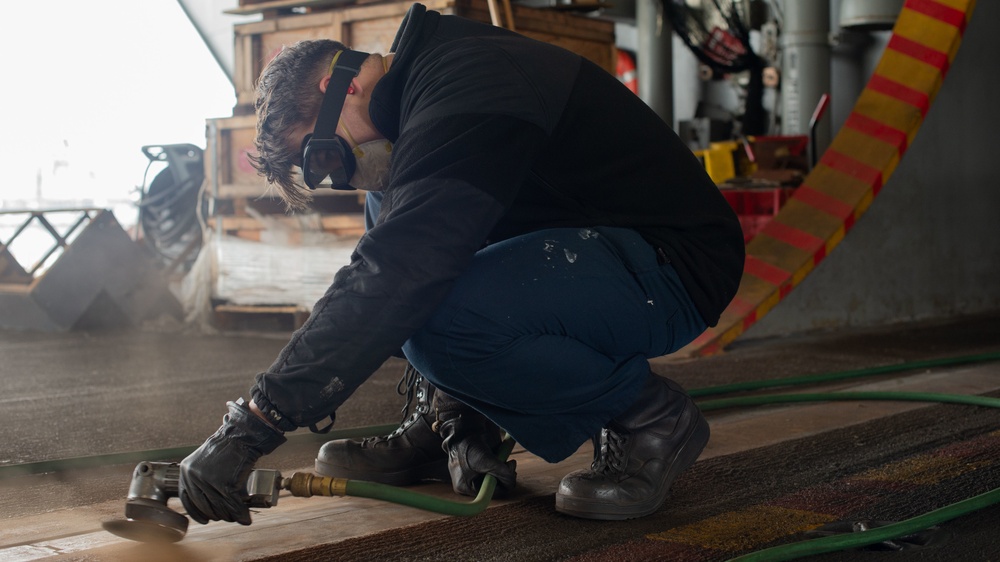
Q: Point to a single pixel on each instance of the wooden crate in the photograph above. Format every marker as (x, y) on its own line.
(227, 165)
(264, 318)
(364, 25)
(372, 27)
(348, 225)
(233, 181)
(589, 37)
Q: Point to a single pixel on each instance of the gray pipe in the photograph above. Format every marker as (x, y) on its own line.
(805, 67)
(654, 59)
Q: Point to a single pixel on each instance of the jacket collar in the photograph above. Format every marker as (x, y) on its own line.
(416, 29)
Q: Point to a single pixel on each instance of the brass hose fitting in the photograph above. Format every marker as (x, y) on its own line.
(306, 485)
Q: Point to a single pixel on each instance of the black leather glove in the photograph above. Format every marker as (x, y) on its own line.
(470, 458)
(213, 479)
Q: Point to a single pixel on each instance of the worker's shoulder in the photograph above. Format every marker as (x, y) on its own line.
(513, 47)
(503, 63)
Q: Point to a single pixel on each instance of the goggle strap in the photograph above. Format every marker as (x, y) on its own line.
(355, 148)
(346, 65)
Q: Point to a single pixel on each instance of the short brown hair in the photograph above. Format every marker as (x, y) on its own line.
(288, 97)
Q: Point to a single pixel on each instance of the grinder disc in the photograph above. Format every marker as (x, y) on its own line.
(143, 531)
(149, 521)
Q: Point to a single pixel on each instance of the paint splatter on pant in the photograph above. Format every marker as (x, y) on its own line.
(549, 334)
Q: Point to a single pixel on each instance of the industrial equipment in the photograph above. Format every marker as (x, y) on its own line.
(168, 206)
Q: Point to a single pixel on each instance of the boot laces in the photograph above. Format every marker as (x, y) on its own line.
(408, 387)
(610, 456)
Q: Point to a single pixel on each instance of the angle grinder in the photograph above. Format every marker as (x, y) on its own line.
(148, 519)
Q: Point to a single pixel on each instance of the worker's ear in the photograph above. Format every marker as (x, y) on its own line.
(324, 83)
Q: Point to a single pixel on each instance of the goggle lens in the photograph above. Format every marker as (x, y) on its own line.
(327, 158)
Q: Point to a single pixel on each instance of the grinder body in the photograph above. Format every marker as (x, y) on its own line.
(147, 517)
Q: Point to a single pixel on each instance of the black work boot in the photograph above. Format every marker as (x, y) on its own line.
(411, 453)
(637, 456)
(471, 443)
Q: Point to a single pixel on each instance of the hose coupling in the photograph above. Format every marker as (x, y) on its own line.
(306, 485)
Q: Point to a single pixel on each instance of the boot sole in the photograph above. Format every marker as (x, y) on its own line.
(686, 456)
(437, 470)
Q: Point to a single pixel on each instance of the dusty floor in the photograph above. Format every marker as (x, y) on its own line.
(67, 396)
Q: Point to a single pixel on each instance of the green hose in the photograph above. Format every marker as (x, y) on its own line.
(359, 488)
(431, 503)
(836, 543)
(173, 453)
(843, 375)
(833, 396)
(363, 489)
(879, 534)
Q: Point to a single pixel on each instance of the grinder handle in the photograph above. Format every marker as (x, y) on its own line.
(159, 481)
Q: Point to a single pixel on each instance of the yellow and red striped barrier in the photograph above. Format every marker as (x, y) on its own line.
(852, 171)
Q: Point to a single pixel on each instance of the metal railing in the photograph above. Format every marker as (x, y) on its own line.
(60, 240)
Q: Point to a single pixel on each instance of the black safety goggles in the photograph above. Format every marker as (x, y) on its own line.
(324, 154)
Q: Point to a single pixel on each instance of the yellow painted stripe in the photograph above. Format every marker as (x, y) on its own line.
(783, 255)
(866, 149)
(890, 111)
(907, 70)
(839, 185)
(928, 31)
(861, 165)
(803, 272)
(737, 531)
(836, 238)
(806, 218)
(922, 470)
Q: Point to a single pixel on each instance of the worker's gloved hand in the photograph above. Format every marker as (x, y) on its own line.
(470, 458)
(213, 479)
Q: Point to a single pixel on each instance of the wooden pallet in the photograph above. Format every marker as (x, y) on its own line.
(265, 318)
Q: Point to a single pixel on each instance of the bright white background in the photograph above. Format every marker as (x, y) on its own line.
(85, 85)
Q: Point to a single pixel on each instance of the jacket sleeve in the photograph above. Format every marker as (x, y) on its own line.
(452, 180)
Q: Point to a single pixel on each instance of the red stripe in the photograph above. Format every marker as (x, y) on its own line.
(854, 168)
(741, 306)
(792, 236)
(763, 270)
(820, 254)
(940, 12)
(875, 129)
(921, 52)
(784, 290)
(823, 202)
(707, 349)
(902, 92)
(702, 340)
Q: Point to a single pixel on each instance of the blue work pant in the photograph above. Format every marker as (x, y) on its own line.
(548, 334)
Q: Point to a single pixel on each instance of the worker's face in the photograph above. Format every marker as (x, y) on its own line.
(355, 120)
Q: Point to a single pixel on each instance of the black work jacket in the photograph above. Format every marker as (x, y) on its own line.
(496, 135)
